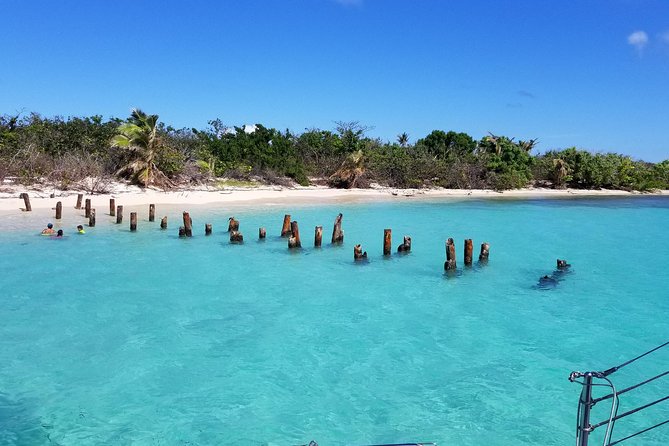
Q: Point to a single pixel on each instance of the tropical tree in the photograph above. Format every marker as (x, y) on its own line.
(403, 139)
(139, 137)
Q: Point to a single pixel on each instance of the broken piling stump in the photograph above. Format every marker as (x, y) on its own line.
(469, 251)
(26, 202)
(59, 210)
(207, 229)
(485, 252)
(188, 224)
(262, 233)
(294, 240)
(562, 264)
(133, 221)
(233, 225)
(182, 232)
(450, 264)
(236, 237)
(337, 232)
(87, 208)
(387, 241)
(163, 222)
(358, 254)
(119, 214)
(152, 212)
(91, 218)
(318, 236)
(405, 247)
(285, 229)
(80, 197)
(112, 207)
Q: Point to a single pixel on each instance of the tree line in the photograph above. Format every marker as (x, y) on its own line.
(65, 152)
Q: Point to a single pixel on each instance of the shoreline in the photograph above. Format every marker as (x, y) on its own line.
(135, 196)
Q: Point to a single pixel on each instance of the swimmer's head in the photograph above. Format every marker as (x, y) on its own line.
(50, 225)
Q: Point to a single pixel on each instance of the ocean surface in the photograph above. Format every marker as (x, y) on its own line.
(119, 338)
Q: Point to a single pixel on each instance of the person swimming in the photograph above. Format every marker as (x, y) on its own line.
(80, 229)
(48, 230)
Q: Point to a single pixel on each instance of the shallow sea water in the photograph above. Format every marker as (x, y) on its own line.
(146, 339)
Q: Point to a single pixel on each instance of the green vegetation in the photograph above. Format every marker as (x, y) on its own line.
(90, 152)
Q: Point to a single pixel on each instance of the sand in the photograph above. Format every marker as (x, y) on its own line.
(134, 196)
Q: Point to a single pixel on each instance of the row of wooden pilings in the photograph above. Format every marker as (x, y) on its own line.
(290, 229)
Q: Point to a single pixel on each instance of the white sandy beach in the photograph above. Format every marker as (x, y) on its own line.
(134, 196)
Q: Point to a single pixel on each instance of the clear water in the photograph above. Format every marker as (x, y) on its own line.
(146, 339)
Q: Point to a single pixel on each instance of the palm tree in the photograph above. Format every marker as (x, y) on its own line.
(139, 136)
(403, 139)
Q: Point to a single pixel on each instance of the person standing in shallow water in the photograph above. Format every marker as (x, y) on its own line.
(48, 230)
(80, 229)
(59, 234)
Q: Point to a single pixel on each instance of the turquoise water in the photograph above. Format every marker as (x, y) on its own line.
(146, 339)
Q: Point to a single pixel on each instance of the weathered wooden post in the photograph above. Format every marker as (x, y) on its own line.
(59, 210)
(152, 212)
(233, 225)
(26, 202)
(262, 233)
(133, 221)
(87, 208)
(562, 264)
(485, 252)
(358, 254)
(294, 240)
(91, 218)
(80, 197)
(337, 232)
(387, 241)
(236, 237)
(188, 224)
(406, 245)
(285, 229)
(119, 214)
(318, 236)
(450, 264)
(182, 232)
(163, 222)
(207, 229)
(112, 207)
(469, 251)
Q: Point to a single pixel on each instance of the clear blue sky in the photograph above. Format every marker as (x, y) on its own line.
(594, 74)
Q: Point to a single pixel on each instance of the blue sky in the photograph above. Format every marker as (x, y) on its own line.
(591, 74)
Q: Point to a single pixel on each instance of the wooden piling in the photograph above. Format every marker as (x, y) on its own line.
(80, 197)
(236, 237)
(294, 240)
(152, 212)
(337, 232)
(26, 201)
(387, 241)
(112, 207)
(469, 251)
(285, 229)
(262, 233)
(450, 264)
(207, 229)
(87, 208)
(182, 232)
(133, 221)
(405, 247)
(91, 218)
(59, 210)
(318, 236)
(188, 224)
(233, 225)
(163, 222)
(562, 264)
(119, 214)
(358, 254)
(485, 252)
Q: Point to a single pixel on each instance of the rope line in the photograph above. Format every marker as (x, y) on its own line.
(618, 367)
(638, 433)
(620, 392)
(629, 412)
